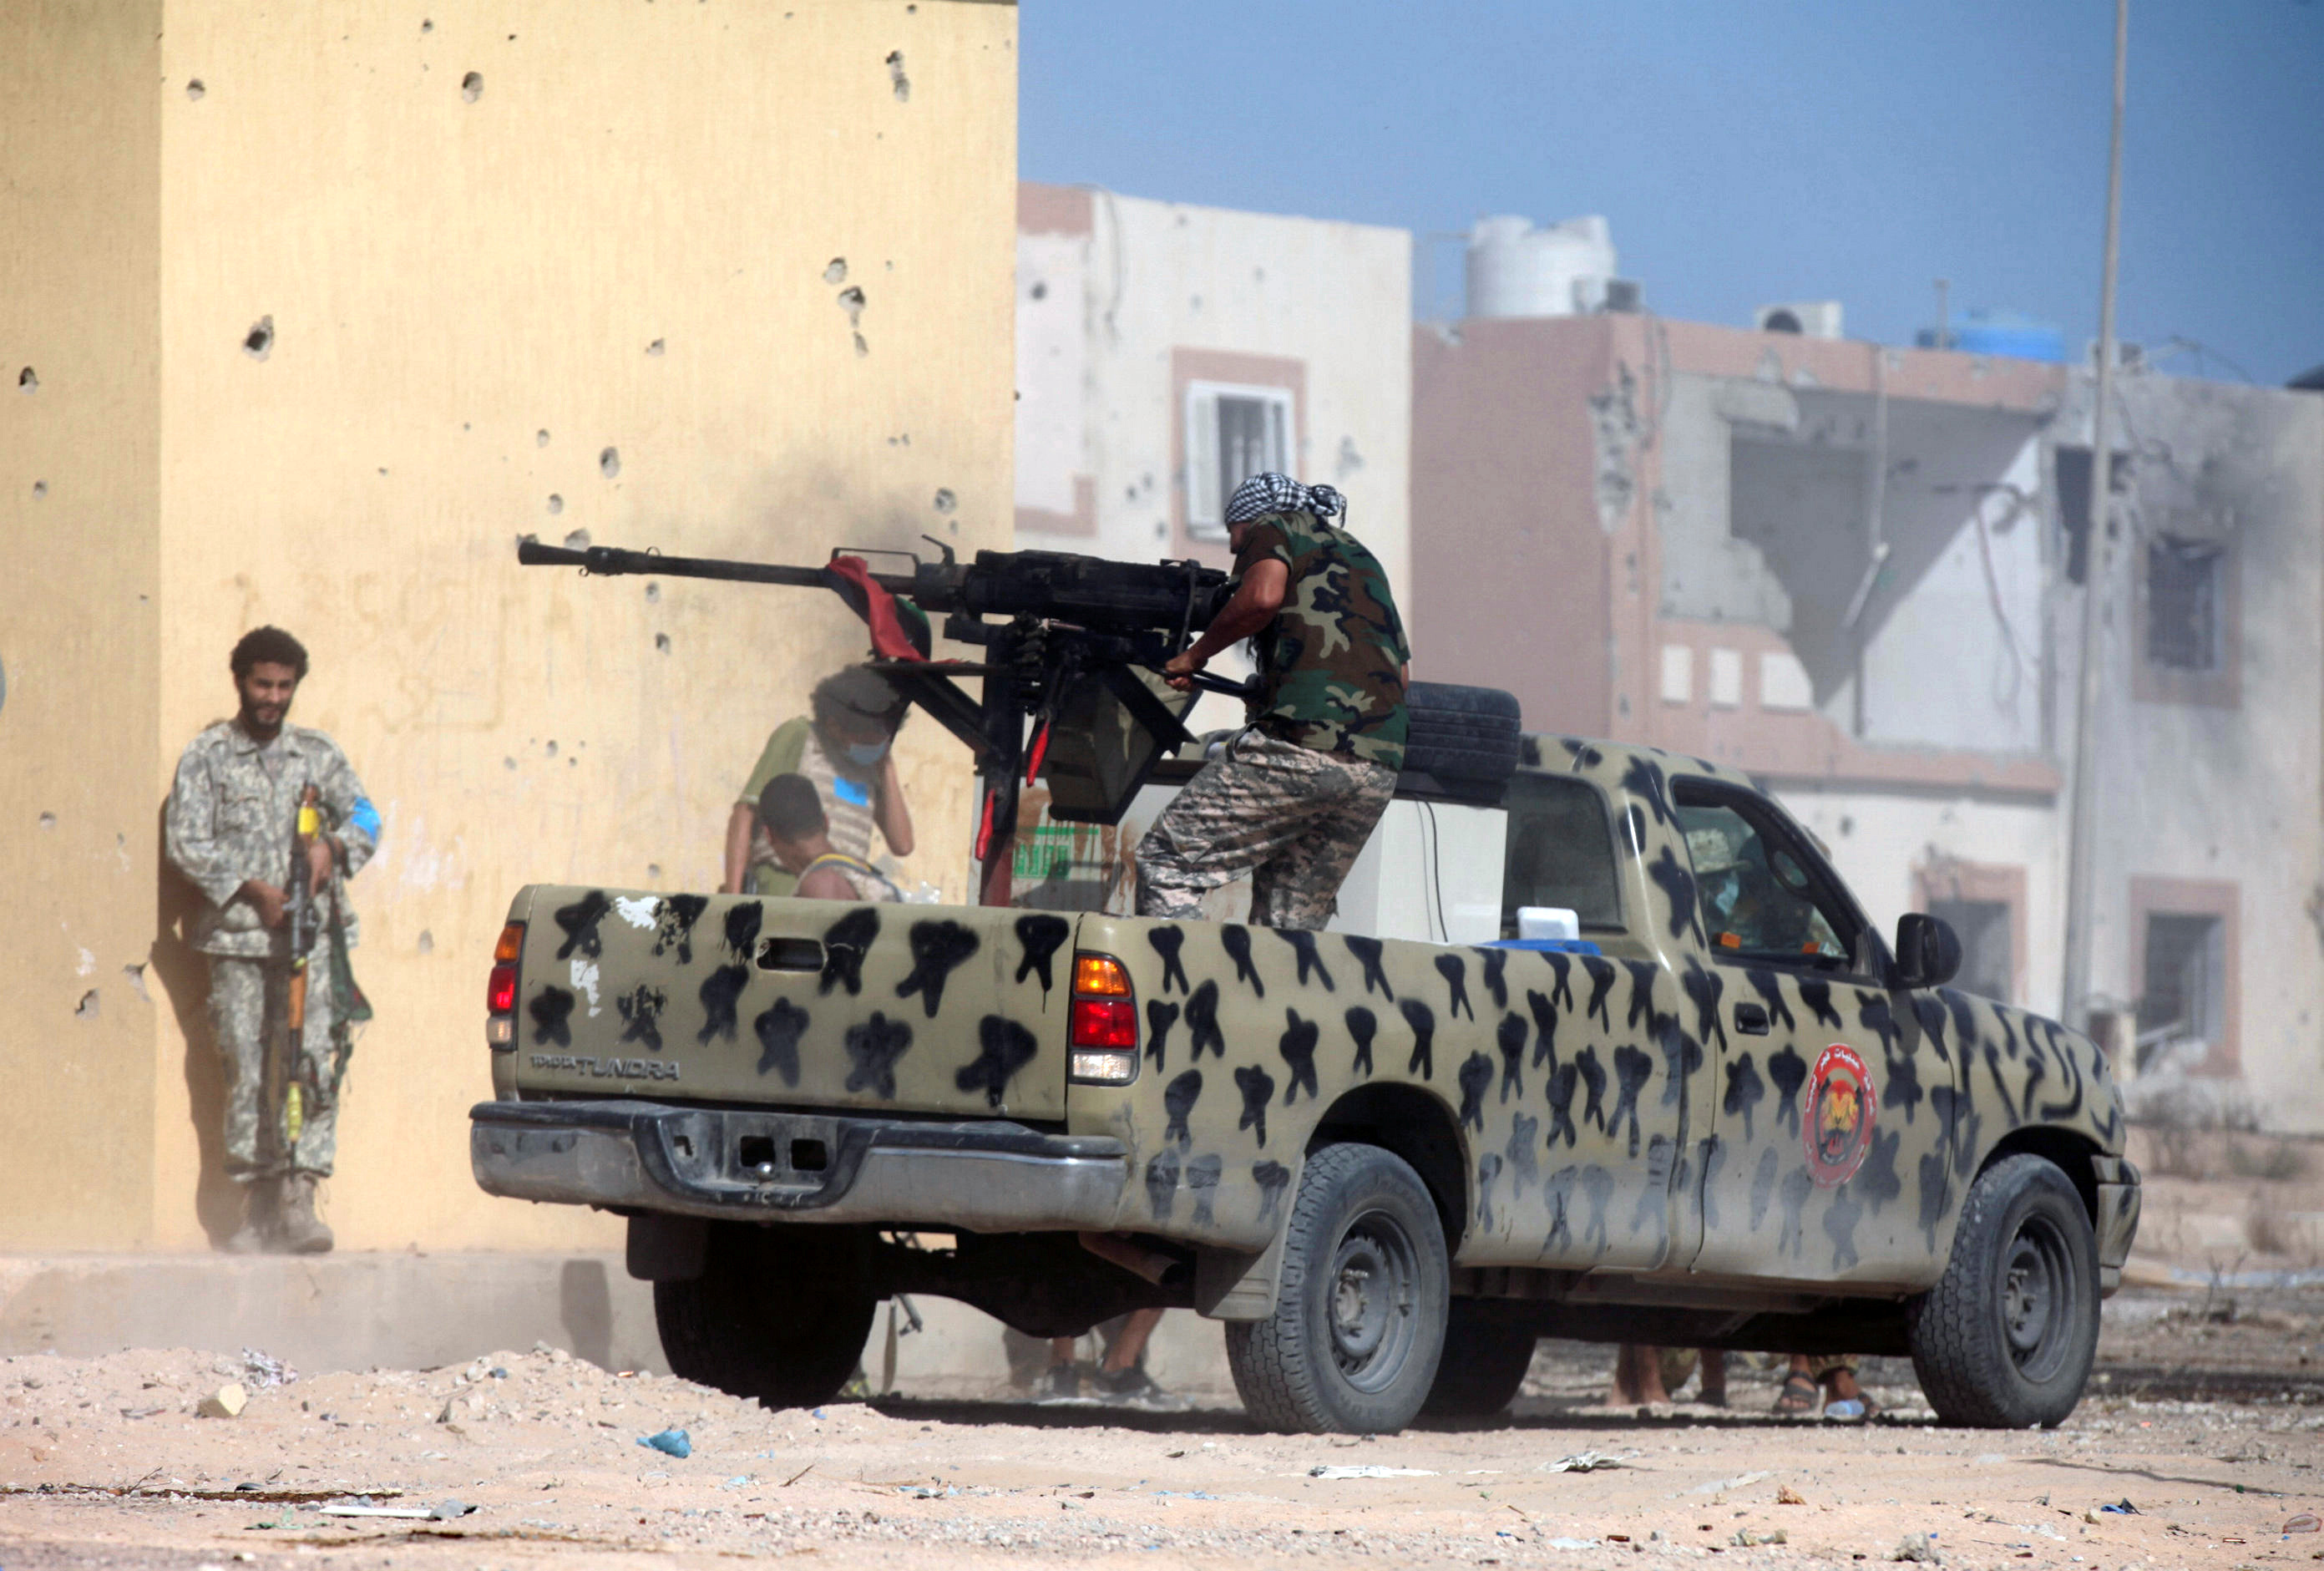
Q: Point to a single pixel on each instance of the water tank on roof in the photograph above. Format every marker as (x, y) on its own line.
(2001, 333)
(1516, 270)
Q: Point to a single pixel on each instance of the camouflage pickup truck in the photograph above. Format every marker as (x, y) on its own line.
(1728, 1115)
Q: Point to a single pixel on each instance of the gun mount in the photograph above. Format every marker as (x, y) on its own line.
(1075, 643)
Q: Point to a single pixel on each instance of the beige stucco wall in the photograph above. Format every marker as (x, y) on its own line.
(78, 237)
(620, 241)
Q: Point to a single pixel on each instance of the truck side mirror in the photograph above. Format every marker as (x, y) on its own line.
(1928, 950)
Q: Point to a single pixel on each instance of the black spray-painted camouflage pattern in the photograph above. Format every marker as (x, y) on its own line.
(1608, 1114)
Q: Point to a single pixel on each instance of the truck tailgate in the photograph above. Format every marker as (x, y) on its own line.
(946, 1009)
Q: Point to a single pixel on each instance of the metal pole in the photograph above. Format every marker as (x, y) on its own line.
(2081, 865)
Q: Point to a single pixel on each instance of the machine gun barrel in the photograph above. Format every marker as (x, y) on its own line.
(610, 561)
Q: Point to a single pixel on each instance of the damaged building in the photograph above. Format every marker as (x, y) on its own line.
(1858, 573)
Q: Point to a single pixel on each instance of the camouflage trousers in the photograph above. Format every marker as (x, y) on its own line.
(248, 999)
(1293, 818)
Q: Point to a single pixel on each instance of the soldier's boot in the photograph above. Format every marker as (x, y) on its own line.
(260, 1213)
(301, 1231)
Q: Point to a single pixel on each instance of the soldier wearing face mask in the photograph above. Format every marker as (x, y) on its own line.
(845, 747)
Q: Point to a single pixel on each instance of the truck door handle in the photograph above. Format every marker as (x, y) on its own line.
(790, 955)
(1751, 1019)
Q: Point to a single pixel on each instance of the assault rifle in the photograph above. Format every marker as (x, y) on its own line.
(1074, 642)
(285, 1099)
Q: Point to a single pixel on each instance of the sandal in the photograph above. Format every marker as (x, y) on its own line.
(1800, 1396)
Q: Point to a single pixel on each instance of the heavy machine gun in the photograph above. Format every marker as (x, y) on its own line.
(1074, 643)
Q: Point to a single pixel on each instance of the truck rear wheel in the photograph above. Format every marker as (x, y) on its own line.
(2005, 1338)
(1359, 1324)
(779, 1313)
(1483, 1366)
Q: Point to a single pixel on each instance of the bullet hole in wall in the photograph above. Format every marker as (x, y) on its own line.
(653, 870)
(540, 439)
(471, 85)
(556, 505)
(87, 1008)
(896, 76)
(427, 26)
(136, 975)
(1040, 291)
(851, 300)
(40, 489)
(861, 348)
(194, 90)
(945, 499)
(653, 593)
(508, 764)
(259, 342)
(836, 273)
(551, 748)
(654, 348)
(26, 382)
(1847, 826)
(577, 540)
(661, 642)
(48, 820)
(609, 462)
(427, 942)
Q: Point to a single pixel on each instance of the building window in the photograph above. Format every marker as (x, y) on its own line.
(1988, 966)
(2183, 1003)
(2183, 609)
(2074, 504)
(1233, 433)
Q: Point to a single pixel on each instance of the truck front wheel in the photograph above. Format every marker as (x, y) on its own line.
(779, 1313)
(1359, 1323)
(2005, 1338)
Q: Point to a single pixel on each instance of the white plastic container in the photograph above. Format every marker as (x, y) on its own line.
(1549, 921)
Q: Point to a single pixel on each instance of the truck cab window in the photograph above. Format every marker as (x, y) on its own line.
(1761, 898)
(1561, 852)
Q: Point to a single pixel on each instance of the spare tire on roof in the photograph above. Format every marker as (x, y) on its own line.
(1467, 735)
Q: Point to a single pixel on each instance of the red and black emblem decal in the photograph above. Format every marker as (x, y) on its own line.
(1842, 1104)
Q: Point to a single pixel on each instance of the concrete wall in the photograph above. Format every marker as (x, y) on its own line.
(529, 269)
(80, 449)
(1120, 299)
(2225, 789)
(1507, 417)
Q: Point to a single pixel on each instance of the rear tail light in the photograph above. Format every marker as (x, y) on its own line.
(1102, 1023)
(501, 989)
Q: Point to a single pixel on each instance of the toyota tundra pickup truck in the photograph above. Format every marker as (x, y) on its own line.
(1730, 1114)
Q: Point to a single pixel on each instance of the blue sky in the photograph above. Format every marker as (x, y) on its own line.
(1745, 154)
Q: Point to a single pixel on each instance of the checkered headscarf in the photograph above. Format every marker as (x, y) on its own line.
(1272, 493)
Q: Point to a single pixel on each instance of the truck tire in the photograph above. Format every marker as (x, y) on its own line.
(1461, 733)
(1483, 1364)
(1359, 1324)
(2005, 1338)
(778, 1313)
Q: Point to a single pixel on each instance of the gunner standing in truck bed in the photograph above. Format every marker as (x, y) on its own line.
(1293, 798)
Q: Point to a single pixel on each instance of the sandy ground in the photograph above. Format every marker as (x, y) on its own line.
(2211, 1427)
(2206, 1415)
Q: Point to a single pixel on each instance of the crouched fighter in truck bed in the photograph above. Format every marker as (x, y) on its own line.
(1293, 798)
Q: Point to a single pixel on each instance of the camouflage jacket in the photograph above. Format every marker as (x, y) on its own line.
(230, 818)
(1331, 665)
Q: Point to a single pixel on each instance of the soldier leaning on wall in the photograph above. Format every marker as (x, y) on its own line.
(230, 821)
